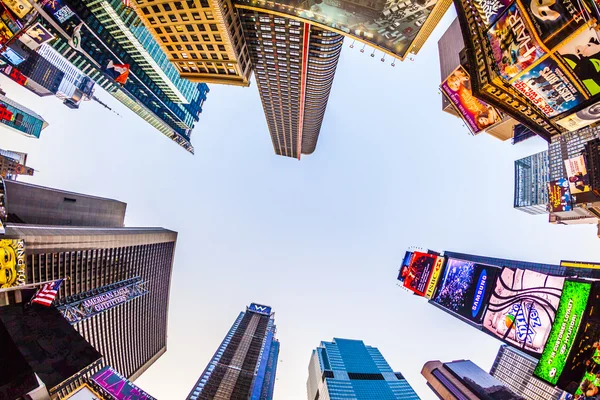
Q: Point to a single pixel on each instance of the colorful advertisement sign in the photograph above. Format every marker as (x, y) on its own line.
(83, 392)
(571, 309)
(419, 272)
(559, 196)
(579, 180)
(466, 288)
(35, 36)
(390, 26)
(549, 88)
(477, 114)
(490, 10)
(403, 273)
(19, 7)
(581, 118)
(579, 264)
(12, 263)
(435, 275)
(514, 47)
(58, 10)
(522, 307)
(582, 55)
(260, 309)
(118, 386)
(555, 20)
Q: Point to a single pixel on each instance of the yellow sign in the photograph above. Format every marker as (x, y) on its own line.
(12, 263)
(576, 264)
(20, 7)
(437, 268)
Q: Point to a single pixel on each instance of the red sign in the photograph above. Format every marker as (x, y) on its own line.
(419, 272)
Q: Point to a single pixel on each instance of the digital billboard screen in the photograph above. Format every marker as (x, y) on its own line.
(435, 275)
(404, 268)
(477, 114)
(581, 54)
(12, 263)
(571, 309)
(118, 386)
(389, 26)
(490, 10)
(522, 308)
(466, 287)
(579, 181)
(419, 272)
(559, 197)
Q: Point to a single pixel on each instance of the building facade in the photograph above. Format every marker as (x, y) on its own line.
(531, 177)
(348, 369)
(13, 164)
(245, 364)
(18, 118)
(294, 65)
(515, 369)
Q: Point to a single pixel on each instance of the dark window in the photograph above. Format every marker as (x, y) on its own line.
(365, 377)
(70, 200)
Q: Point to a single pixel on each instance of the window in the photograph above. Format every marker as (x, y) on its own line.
(206, 38)
(213, 27)
(208, 15)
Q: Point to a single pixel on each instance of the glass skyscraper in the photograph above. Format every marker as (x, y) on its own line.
(531, 177)
(348, 369)
(245, 364)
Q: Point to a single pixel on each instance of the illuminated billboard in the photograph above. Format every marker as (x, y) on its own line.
(435, 275)
(466, 288)
(260, 309)
(570, 312)
(579, 180)
(403, 273)
(513, 46)
(477, 114)
(490, 10)
(581, 118)
(12, 263)
(559, 196)
(582, 55)
(522, 307)
(419, 272)
(118, 386)
(390, 26)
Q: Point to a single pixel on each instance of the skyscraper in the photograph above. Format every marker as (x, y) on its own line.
(345, 368)
(13, 164)
(531, 178)
(245, 364)
(20, 119)
(515, 369)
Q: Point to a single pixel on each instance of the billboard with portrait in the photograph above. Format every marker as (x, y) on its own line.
(559, 197)
(522, 308)
(117, 386)
(581, 54)
(514, 47)
(579, 181)
(547, 86)
(466, 287)
(571, 309)
(390, 26)
(12, 263)
(555, 20)
(419, 272)
(404, 268)
(477, 114)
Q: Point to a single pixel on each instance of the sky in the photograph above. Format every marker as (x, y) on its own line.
(321, 239)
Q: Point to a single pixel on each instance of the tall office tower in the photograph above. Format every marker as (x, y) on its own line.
(294, 65)
(464, 380)
(531, 178)
(43, 78)
(39, 205)
(345, 368)
(245, 364)
(20, 119)
(108, 32)
(203, 39)
(13, 164)
(515, 369)
(568, 145)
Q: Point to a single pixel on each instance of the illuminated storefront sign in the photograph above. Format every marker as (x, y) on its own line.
(118, 387)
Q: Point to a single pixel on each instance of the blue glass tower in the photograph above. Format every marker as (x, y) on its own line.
(348, 369)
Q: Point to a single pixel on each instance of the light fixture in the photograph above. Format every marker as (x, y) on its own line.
(363, 49)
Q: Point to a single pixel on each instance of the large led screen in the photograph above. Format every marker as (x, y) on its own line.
(466, 287)
(570, 312)
(582, 55)
(522, 308)
(419, 273)
(579, 180)
(403, 273)
(389, 25)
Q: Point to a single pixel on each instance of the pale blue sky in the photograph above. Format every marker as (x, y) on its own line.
(319, 240)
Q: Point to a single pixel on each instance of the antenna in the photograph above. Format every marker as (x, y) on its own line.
(105, 106)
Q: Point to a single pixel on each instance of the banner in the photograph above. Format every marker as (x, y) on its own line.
(466, 288)
(12, 263)
(559, 196)
(582, 55)
(19, 7)
(117, 386)
(477, 114)
(419, 272)
(404, 269)
(514, 47)
(548, 88)
(579, 180)
(570, 311)
(490, 10)
(522, 307)
(555, 20)
(433, 282)
(35, 36)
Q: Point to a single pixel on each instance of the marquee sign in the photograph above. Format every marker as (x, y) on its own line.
(97, 301)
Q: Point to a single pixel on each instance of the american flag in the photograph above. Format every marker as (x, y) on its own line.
(47, 293)
(126, 3)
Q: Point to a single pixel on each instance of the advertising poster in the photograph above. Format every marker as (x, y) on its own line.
(435, 276)
(522, 307)
(515, 48)
(12, 263)
(19, 7)
(555, 20)
(58, 10)
(118, 386)
(35, 36)
(404, 268)
(581, 118)
(466, 287)
(419, 272)
(549, 88)
(582, 55)
(579, 180)
(388, 25)
(5, 33)
(477, 114)
(490, 10)
(571, 309)
(559, 196)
